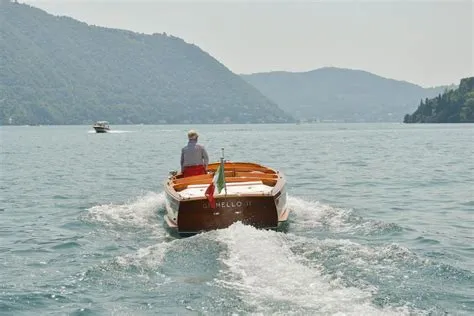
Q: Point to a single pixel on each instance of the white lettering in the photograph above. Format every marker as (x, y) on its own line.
(229, 204)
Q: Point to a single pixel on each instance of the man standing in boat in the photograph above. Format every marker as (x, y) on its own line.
(194, 158)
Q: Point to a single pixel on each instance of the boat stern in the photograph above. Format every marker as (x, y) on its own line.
(197, 215)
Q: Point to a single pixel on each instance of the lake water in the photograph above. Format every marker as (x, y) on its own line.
(382, 223)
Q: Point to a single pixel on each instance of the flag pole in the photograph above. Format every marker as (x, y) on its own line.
(223, 170)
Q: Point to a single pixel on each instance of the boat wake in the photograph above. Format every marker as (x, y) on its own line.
(266, 272)
(317, 267)
(145, 211)
(119, 132)
(271, 273)
(110, 132)
(308, 215)
(138, 213)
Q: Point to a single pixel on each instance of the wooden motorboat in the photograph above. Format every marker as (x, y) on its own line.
(101, 126)
(254, 195)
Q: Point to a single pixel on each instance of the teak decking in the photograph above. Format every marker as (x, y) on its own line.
(234, 172)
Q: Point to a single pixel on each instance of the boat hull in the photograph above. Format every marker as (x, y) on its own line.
(255, 195)
(101, 130)
(194, 216)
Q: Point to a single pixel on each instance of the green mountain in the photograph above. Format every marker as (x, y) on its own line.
(340, 94)
(454, 106)
(56, 70)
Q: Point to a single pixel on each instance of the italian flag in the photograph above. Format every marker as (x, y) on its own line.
(217, 184)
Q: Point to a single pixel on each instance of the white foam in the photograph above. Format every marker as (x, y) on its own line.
(140, 212)
(264, 270)
(147, 258)
(313, 214)
(110, 132)
(365, 257)
(119, 132)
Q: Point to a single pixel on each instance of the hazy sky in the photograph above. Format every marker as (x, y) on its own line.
(424, 42)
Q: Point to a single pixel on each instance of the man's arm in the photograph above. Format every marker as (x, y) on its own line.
(182, 160)
(205, 157)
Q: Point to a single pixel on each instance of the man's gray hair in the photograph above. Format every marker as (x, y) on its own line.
(192, 134)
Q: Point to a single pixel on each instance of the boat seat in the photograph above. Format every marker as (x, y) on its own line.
(206, 177)
(198, 186)
(236, 168)
(260, 175)
(250, 187)
(270, 182)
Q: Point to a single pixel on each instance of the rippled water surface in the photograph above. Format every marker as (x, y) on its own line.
(382, 223)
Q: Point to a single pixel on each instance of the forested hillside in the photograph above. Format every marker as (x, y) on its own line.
(454, 106)
(56, 70)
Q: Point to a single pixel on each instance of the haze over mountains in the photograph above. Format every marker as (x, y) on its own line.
(336, 94)
(56, 70)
